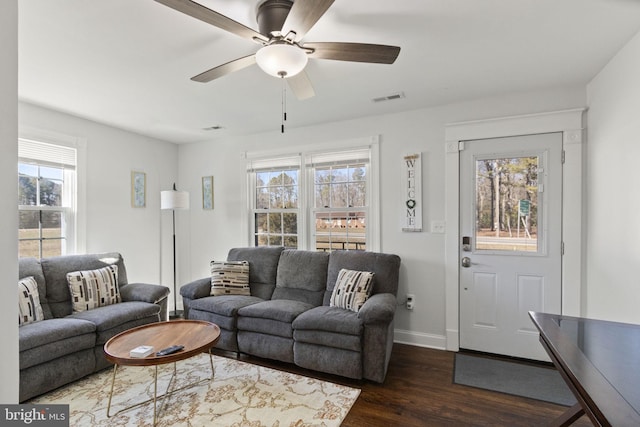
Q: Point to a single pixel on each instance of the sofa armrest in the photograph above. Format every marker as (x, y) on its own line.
(197, 289)
(379, 308)
(143, 292)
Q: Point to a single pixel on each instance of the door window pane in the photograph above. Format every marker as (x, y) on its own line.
(507, 204)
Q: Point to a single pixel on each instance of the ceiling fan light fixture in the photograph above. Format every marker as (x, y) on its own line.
(281, 59)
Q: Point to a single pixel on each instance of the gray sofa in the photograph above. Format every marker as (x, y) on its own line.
(288, 317)
(67, 346)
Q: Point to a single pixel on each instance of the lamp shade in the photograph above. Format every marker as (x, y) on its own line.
(172, 199)
(281, 59)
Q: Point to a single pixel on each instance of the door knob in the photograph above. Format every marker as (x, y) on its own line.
(466, 262)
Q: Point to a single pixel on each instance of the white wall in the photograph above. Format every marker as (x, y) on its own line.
(9, 192)
(212, 233)
(613, 198)
(139, 234)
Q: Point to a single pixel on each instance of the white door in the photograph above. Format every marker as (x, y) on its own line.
(511, 237)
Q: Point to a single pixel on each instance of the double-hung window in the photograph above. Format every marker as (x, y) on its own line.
(46, 198)
(340, 207)
(276, 204)
(315, 200)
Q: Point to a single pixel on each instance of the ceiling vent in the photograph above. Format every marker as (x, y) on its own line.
(398, 95)
(214, 127)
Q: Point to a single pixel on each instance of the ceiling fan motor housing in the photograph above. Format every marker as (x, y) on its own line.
(272, 15)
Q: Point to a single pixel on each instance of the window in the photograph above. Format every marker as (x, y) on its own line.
(316, 200)
(46, 199)
(340, 207)
(507, 204)
(276, 184)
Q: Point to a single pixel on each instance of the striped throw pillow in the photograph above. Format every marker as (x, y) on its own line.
(29, 307)
(94, 288)
(230, 278)
(352, 289)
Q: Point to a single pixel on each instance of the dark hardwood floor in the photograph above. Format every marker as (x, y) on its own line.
(419, 391)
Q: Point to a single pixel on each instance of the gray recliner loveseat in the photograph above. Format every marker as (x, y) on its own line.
(288, 316)
(67, 345)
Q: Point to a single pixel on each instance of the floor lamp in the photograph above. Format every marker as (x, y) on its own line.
(172, 200)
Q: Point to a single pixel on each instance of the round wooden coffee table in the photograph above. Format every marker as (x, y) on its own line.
(196, 336)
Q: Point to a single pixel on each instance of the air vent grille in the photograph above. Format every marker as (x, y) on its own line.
(398, 95)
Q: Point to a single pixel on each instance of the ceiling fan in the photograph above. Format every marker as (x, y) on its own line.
(282, 26)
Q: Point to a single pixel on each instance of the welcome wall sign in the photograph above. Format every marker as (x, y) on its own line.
(412, 192)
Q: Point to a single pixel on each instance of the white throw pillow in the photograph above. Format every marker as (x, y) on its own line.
(94, 288)
(352, 289)
(230, 278)
(29, 307)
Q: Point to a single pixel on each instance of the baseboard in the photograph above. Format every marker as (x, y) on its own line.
(419, 339)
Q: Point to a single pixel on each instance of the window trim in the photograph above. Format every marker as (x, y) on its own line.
(305, 239)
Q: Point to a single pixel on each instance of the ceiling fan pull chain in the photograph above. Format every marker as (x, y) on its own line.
(284, 103)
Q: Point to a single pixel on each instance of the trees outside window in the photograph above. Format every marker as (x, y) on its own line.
(507, 203)
(321, 203)
(276, 211)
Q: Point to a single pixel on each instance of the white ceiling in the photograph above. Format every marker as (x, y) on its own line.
(128, 63)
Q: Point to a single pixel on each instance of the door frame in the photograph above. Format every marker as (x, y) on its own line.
(571, 124)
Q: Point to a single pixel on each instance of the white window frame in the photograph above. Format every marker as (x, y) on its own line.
(74, 193)
(305, 154)
(339, 158)
(274, 164)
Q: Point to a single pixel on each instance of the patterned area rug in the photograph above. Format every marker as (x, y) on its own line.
(240, 395)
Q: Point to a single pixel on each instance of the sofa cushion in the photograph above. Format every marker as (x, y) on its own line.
(54, 338)
(271, 317)
(280, 310)
(55, 271)
(230, 278)
(302, 276)
(29, 308)
(222, 308)
(93, 288)
(225, 305)
(113, 319)
(330, 319)
(52, 330)
(263, 266)
(386, 268)
(352, 289)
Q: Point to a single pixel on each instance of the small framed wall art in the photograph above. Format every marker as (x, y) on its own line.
(138, 189)
(207, 192)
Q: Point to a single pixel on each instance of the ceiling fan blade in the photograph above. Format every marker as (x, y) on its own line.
(214, 18)
(303, 15)
(224, 69)
(357, 52)
(301, 86)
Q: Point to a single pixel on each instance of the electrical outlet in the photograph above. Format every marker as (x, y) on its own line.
(410, 301)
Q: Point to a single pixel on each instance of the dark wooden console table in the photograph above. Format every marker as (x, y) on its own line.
(600, 362)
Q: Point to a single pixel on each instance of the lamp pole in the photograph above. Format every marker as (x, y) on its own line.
(175, 314)
(174, 199)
